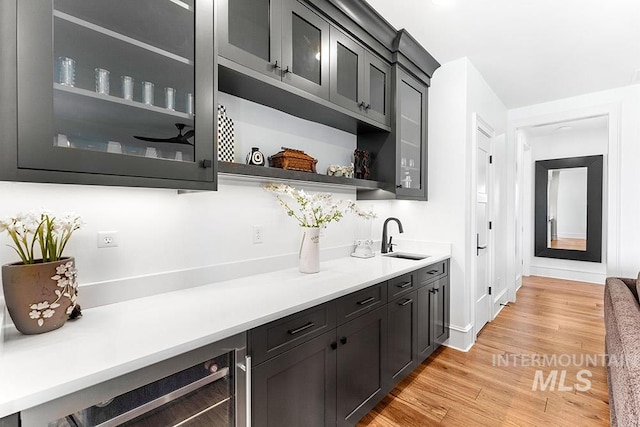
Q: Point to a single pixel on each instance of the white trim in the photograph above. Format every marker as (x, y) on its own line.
(460, 338)
(568, 274)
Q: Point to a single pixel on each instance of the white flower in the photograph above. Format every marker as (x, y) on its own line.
(42, 305)
(48, 313)
(34, 314)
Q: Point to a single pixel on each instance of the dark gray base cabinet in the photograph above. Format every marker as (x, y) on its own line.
(10, 421)
(361, 359)
(331, 364)
(402, 337)
(298, 387)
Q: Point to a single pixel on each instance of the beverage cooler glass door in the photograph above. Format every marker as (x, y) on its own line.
(204, 387)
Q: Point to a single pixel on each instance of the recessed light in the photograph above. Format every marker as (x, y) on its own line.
(564, 128)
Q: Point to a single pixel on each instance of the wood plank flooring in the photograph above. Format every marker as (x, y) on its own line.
(550, 317)
(569, 243)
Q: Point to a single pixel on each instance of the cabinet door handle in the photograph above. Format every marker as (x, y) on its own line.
(399, 186)
(432, 271)
(334, 345)
(343, 340)
(276, 65)
(404, 285)
(361, 104)
(301, 328)
(433, 291)
(286, 70)
(402, 304)
(366, 301)
(206, 163)
(366, 107)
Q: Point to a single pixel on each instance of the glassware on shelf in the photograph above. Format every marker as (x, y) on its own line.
(411, 163)
(170, 98)
(114, 147)
(147, 93)
(188, 107)
(178, 156)
(102, 81)
(127, 87)
(406, 182)
(151, 152)
(66, 71)
(61, 141)
(403, 161)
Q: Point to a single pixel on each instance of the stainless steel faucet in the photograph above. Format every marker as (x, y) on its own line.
(387, 246)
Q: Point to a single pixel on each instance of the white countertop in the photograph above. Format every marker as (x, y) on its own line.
(116, 339)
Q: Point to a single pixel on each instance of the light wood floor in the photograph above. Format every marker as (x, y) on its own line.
(454, 388)
(568, 243)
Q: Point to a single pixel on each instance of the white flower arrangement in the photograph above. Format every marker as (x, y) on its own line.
(315, 210)
(51, 234)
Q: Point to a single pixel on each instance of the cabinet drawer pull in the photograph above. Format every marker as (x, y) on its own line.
(409, 301)
(404, 285)
(301, 328)
(334, 345)
(432, 271)
(366, 301)
(433, 291)
(276, 65)
(343, 340)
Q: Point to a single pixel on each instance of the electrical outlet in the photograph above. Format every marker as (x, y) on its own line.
(107, 239)
(258, 234)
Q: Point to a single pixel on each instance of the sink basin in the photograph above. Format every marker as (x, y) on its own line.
(405, 255)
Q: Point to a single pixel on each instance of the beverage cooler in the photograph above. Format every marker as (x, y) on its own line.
(205, 387)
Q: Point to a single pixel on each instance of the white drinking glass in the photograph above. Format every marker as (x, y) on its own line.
(170, 98)
(66, 71)
(147, 93)
(188, 103)
(127, 87)
(114, 147)
(102, 81)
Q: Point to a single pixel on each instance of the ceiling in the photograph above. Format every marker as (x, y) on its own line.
(530, 51)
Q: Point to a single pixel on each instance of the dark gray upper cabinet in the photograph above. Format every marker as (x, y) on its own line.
(74, 127)
(305, 49)
(360, 81)
(282, 39)
(411, 137)
(249, 33)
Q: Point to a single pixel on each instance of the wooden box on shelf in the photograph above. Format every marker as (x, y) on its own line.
(292, 159)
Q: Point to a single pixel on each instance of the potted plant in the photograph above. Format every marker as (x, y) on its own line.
(40, 293)
(312, 212)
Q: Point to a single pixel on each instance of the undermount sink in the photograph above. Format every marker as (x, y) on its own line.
(405, 255)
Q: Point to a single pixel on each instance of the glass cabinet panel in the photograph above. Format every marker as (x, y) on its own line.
(377, 89)
(249, 26)
(124, 77)
(411, 122)
(306, 49)
(347, 73)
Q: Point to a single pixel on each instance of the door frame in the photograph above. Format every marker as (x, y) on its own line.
(478, 124)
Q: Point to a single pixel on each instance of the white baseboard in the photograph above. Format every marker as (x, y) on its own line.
(460, 338)
(567, 274)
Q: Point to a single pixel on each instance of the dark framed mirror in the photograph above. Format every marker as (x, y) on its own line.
(568, 208)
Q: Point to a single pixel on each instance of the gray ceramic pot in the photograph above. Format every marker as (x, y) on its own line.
(39, 296)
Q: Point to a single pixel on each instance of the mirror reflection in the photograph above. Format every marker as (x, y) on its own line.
(567, 208)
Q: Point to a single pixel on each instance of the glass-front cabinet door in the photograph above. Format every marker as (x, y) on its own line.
(347, 72)
(377, 85)
(249, 34)
(117, 89)
(411, 128)
(305, 49)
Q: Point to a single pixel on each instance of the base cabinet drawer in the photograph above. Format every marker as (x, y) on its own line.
(361, 302)
(433, 272)
(284, 334)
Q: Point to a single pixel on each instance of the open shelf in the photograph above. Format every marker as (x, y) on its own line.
(288, 175)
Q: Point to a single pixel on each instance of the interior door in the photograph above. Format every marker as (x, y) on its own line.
(483, 257)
